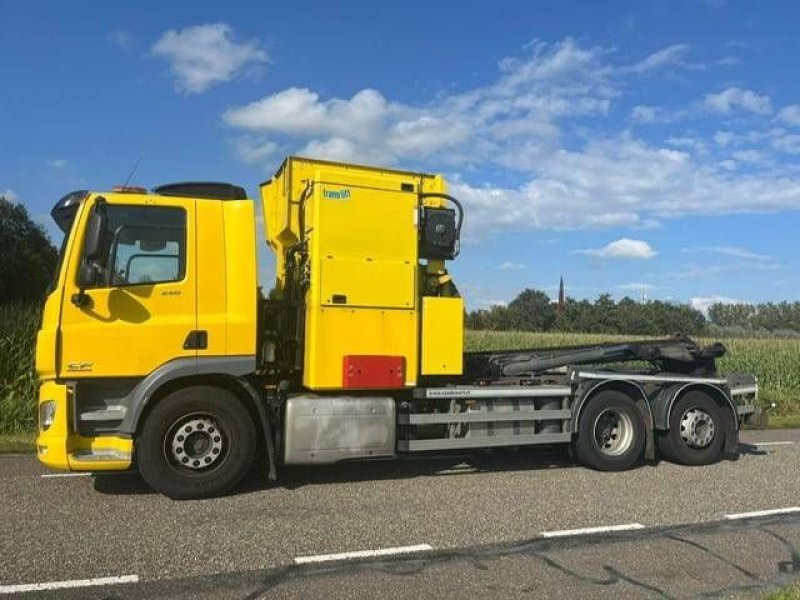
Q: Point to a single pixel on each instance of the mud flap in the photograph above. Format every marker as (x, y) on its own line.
(649, 430)
(266, 428)
(731, 444)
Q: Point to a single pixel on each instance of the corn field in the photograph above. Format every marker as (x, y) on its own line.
(18, 384)
(776, 362)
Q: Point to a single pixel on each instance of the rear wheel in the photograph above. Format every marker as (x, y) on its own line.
(695, 433)
(611, 433)
(198, 441)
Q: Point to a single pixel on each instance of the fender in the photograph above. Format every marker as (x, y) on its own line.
(665, 400)
(139, 396)
(588, 389)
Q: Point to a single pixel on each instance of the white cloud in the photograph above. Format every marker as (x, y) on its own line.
(622, 248)
(205, 55)
(790, 114)
(789, 143)
(695, 144)
(734, 98)
(704, 303)
(521, 107)
(57, 164)
(511, 266)
(750, 156)
(670, 56)
(9, 195)
(251, 151)
(529, 126)
(723, 138)
(732, 251)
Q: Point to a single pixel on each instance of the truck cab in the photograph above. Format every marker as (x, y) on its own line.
(130, 310)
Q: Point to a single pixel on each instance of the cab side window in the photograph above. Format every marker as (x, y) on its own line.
(144, 245)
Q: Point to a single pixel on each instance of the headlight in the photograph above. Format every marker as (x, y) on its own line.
(47, 414)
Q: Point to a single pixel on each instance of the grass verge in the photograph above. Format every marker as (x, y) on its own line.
(17, 443)
(784, 421)
(788, 593)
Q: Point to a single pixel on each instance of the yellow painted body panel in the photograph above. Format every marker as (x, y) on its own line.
(211, 293)
(60, 448)
(52, 446)
(100, 444)
(333, 332)
(283, 196)
(47, 339)
(226, 276)
(359, 227)
(442, 336)
(240, 277)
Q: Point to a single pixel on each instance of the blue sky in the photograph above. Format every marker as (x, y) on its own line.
(646, 147)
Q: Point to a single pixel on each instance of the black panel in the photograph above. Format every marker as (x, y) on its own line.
(438, 234)
(202, 189)
(196, 340)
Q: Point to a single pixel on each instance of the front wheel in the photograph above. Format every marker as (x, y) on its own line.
(695, 433)
(197, 442)
(611, 433)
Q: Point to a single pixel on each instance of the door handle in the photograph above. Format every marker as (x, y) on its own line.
(81, 299)
(196, 340)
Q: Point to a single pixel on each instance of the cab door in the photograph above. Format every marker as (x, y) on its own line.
(140, 309)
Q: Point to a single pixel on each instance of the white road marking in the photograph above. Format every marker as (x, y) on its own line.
(83, 474)
(301, 560)
(62, 585)
(772, 443)
(591, 530)
(764, 513)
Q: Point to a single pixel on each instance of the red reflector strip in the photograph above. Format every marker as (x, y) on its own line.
(373, 371)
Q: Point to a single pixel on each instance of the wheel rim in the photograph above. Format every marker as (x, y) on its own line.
(613, 432)
(195, 443)
(697, 428)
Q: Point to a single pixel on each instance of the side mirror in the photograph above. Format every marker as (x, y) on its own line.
(93, 248)
(87, 274)
(95, 228)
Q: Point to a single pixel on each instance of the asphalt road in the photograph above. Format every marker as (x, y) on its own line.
(474, 523)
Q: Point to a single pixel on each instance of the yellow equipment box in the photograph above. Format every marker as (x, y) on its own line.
(347, 245)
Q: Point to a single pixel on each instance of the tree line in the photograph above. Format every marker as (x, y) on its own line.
(532, 310)
(28, 257)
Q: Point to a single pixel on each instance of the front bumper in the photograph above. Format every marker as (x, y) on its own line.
(61, 447)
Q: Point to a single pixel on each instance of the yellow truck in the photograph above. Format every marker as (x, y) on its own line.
(159, 352)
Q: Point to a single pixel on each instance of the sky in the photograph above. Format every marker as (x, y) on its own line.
(646, 148)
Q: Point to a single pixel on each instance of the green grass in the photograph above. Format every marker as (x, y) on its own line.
(21, 442)
(788, 593)
(784, 421)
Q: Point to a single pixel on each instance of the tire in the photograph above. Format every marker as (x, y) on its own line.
(197, 442)
(696, 431)
(611, 433)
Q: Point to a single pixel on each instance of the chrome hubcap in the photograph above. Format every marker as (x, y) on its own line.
(613, 432)
(697, 428)
(196, 442)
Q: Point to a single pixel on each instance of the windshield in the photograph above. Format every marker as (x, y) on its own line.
(63, 214)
